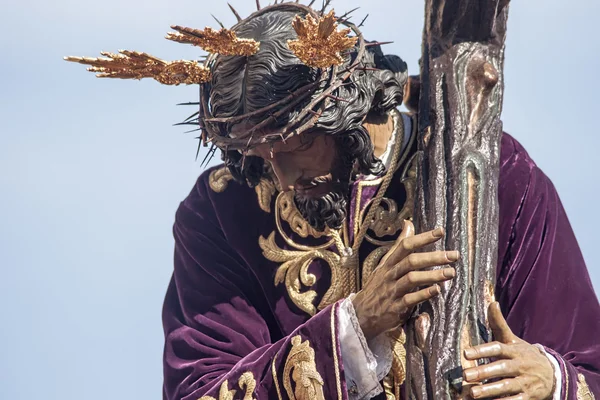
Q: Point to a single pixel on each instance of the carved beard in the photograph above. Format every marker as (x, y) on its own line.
(329, 210)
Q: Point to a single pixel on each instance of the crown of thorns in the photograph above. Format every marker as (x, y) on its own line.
(320, 44)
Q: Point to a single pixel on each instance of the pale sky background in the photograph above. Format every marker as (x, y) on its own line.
(93, 170)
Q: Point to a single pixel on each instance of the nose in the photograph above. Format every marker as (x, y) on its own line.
(286, 173)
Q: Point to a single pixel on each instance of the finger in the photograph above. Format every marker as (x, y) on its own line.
(408, 230)
(418, 261)
(499, 326)
(415, 279)
(489, 350)
(411, 300)
(497, 389)
(409, 242)
(497, 369)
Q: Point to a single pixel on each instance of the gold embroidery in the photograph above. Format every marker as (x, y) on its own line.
(388, 221)
(583, 390)
(265, 191)
(398, 372)
(294, 273)
(388, 387)
(372, 261)
(290, 214)
(302, 368)
(392, 383)
(219, 179)
(336, 364)
(246, 381)
(275, 379)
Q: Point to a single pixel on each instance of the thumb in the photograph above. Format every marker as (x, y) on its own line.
(500, 328)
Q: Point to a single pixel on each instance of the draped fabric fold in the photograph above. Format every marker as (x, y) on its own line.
(220, 341)
(543, 285)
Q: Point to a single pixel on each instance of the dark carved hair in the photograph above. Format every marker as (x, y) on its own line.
(245, 84)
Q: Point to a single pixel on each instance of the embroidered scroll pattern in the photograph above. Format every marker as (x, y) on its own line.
(388, 221)
(583, 390)
(219, 179)
(293, 271)
(246, 383)
(302, 368)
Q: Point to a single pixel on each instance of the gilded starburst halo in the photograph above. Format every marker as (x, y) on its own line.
(320, 43)
(223, 42)
(138, 65)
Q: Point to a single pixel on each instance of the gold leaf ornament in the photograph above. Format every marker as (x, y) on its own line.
(319, 43)
(583, 390)
(302, 368)
(137, 65)
(246, 383)
(224, 41)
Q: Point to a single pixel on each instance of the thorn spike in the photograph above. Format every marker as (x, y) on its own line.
(235, 13)
(219, 22)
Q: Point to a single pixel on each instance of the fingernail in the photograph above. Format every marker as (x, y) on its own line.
(475, 391)
(449, 273)
(470, 374)
(436, 289)
(438, 233)
(452, 255)
(470, 353)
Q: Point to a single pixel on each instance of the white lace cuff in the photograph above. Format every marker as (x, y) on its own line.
(365, 363)
(557, 372)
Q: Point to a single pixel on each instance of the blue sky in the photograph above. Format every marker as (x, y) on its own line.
(93, 170)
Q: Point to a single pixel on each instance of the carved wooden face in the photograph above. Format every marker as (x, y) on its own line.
(303, 163)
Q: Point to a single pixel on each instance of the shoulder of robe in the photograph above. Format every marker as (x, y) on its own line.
(214, 193)
(519, 174)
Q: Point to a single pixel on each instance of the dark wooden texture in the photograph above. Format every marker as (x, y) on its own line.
(460, 104)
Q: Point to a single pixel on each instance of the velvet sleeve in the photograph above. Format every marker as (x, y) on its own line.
(543, 285)
(221, 339)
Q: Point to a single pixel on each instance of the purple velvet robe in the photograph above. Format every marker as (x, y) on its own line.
(224, 317)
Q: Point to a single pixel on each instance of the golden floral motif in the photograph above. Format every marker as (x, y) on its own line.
(246, 383)
(319, 43)
(293, 272)
(224, 41)
(583, 390)
(302, 368)
(136, 65)
(265, 191)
